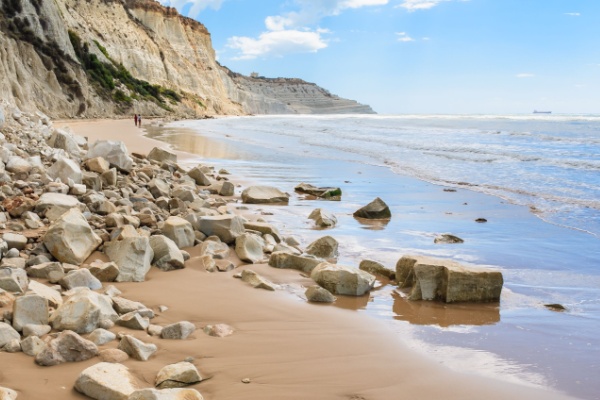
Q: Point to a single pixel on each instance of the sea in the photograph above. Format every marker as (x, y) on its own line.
(534, 178)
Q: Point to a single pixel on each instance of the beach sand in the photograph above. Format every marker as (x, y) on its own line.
(288, 348)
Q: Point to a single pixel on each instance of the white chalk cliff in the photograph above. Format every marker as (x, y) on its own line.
(162, 64)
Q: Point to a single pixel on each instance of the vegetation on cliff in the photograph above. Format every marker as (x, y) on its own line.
(109, 76)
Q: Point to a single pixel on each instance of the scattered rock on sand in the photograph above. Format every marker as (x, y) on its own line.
(107, 381)
(68, 346)
(555, 307)
(377, 209)
(132, 253)
(137, 349)
(101, 336)
(177, 375)
(179, 330)
(6, 393)
(249, 248)
(447, 280)
(112, 355)
(264, 195)
(257, 281)
(161, 155)
(167, 256)
(218, 330)
(166, 394)
(179, 231)
(31, 346)
(80, 278)
(339, 279)
(317, 294)
(13, 280)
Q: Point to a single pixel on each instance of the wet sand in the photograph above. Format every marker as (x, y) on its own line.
(285, 346)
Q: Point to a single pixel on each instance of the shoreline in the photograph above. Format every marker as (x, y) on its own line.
(135, 137)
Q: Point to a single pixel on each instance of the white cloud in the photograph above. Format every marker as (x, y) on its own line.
(412, 5)
(196, 5)
(525, 75)
(278, 43)
(403, 37)
(573, 14)
(295, 31)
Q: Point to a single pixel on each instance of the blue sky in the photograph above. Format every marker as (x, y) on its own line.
(418, 56)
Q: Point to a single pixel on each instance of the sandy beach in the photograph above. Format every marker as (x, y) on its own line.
(287, 347)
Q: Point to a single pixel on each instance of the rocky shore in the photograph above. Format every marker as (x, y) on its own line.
(116, 282)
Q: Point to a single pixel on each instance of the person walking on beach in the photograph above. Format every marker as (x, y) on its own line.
(135, 119)
(139, 120)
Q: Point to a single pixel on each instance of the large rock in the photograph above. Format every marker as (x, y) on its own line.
(377, 209)
(282, 259)
(264, 195)
(137, 349)
(226, 227)
(264, 228)
(52, 296)
(98, 165)
(13, 280)
(132, 253)
(101, 336)
(114, 152)
(107, 381)
(80, 278)
(32, 346)
(68, 346)
(64, 140)
(161, 155)
(7, 334)
(325, 248)
(166, 394)
(65, 169)
(178, 330)
(30, 309)
(447, 280)
(179, 231)
(104, 272)
(15, 240)
(70, 239)
(83, 311)
(133, 320)
(53, 205)
(167, 255)
(248, 248)
(177, 375)
(339, 279)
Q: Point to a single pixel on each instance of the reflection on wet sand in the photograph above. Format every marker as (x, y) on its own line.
(444, 315)
(190, 141)
(373, 224)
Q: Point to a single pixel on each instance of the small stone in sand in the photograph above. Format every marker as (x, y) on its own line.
(246, 380)
(481, 220)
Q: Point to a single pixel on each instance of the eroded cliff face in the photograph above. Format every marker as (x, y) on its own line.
(41, 69)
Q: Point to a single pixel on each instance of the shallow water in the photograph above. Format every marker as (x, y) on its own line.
(541, 262)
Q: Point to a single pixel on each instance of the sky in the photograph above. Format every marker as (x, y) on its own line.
(418, 56)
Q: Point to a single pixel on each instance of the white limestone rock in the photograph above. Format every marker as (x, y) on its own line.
(65, 169)
(7, 334)
(68, 346)
(339, 279)
(80, 278)
(132, 253)
(177, 375)
(13, 280)
(30, 309)
(325, 248)
(114, 152)
(179, 330)
(226, 227)
(137, 349)
(264, 195)
(166, 394)
(83, 311)
(167, 255)
(70, 239)
(179, 231)
(249, 248)
(107, 381)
